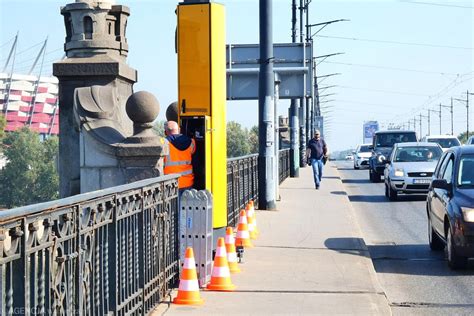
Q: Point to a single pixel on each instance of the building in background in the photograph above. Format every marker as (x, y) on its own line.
(27, 100)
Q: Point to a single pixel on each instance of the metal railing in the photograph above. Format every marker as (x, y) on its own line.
(242, 185)
(242, 182)
(113, 251)
(284, 165)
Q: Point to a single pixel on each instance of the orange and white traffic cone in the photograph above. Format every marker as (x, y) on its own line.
(251, 213)
(230, 249)
(251, 225)
(220, 278)
(188, 291)
(243, 236)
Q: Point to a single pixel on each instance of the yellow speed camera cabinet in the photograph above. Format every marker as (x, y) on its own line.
(202, 97)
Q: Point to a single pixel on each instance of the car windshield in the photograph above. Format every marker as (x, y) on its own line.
(445, 142)
(466, 171)
(364, 149)
(417, 154)
(390, 139)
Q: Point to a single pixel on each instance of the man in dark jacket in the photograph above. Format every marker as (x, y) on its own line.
(316, 151)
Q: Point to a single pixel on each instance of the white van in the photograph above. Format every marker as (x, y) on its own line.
(445, 141)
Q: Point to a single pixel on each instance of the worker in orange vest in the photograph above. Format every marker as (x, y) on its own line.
(181, 149)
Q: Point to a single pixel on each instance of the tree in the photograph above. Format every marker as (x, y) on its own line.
(3, 124)
(253, 139)
(30, 174)
(159, 128)
(463, 137)
(237, 140)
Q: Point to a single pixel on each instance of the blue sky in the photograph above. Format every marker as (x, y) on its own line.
(383, 77)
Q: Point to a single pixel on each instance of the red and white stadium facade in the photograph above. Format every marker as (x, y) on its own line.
(27, 101)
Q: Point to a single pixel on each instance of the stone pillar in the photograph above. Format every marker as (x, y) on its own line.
(94, 85)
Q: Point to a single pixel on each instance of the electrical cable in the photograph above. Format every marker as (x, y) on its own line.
(393, 42)
(391, 68)
(436, 4)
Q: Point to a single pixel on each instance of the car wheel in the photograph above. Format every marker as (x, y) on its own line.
(355, 167)
(392, 194)
(454, 261)
(435, 241)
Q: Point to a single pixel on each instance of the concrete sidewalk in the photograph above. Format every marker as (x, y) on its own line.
(310, 259)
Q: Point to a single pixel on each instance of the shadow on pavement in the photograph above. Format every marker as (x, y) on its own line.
(367, 181)
(339, 192)
(408, 259)
(383, 199)
(332, 177)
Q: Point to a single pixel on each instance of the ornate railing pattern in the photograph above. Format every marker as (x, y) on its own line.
(242, 185)
(284, 164)
(111, 251)
(242, 182)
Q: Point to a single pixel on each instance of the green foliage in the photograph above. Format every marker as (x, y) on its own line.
(3, 124)
(253, 139)
(463, 137)
(237, 140)
(159, 128)
(30, 175)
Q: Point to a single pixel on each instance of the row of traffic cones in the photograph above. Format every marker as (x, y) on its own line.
(225, 261)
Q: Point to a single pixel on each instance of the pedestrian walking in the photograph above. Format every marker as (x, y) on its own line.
(316, 153)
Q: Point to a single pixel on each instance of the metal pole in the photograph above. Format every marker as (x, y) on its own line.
(277, 137)
(294, 153)
(421, 131)
(467, 110)
(440, 109)
(452, 117)
(266, 125)
(302, 107)
(429, 122)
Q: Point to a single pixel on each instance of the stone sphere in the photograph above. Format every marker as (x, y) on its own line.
(142, 107)
(172, 112)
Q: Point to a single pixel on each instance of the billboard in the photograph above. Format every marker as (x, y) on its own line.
(369, 131)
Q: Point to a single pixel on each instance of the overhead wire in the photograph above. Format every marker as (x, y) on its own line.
(393, 42)
(437, 4)
(390, 68)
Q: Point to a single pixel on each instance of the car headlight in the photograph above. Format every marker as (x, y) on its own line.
(468, 214)
(381, 158)
(399, 173)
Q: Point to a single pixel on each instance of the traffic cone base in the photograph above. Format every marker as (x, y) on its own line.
(220, 278)
(231, 252)
(188, 291)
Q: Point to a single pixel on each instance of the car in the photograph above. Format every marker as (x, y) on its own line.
(445, 141)
(382, 148)
(410, 168)
(349, 157)
(470, 141)
(450, 206)
(361, 156)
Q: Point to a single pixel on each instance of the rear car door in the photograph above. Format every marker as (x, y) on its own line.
(440, 197)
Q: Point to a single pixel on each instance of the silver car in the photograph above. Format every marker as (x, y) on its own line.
(410, 168)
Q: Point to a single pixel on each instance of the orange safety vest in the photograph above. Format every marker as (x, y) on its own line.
(179, 161)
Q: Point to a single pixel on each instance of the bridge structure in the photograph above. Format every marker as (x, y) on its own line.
(110, 244)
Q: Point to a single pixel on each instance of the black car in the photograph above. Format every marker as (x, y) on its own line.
(450, 206)
(382, 148)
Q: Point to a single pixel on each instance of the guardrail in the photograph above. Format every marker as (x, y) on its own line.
(113, 251)
(242, 185)
(284, 164)
(242, 182)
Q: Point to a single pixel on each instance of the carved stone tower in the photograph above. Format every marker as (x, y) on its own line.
(96, 135)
